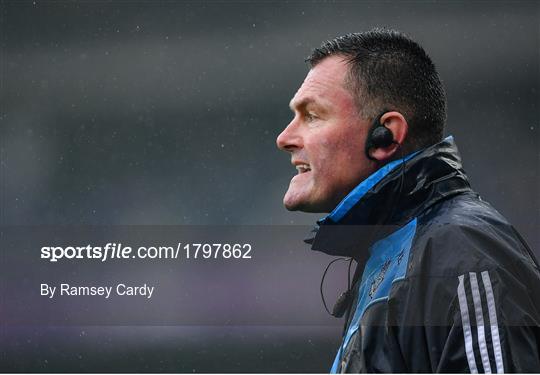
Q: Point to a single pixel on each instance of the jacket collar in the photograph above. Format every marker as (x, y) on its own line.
(389, 198)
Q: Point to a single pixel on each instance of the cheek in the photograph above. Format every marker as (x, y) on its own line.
(351, 148)
(341, 152)
(336, 156)
(323, 156)
(327, 164)
(341, 162)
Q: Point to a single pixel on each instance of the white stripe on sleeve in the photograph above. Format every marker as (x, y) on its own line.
(480, 323)
(493, 321)
(467, 334)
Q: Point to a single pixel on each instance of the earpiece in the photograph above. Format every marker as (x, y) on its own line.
(379, 136)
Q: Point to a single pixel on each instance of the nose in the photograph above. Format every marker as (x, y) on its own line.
(289, 139)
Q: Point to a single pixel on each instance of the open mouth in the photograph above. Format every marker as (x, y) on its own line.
(303, 168)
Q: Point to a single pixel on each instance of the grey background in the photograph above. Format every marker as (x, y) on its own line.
(161, 113)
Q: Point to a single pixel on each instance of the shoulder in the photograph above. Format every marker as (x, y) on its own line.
(465, 234)
(463, 244)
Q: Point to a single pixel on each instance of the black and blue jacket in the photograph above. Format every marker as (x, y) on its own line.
(447, 284)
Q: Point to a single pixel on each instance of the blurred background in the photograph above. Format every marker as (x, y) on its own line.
(166, 113)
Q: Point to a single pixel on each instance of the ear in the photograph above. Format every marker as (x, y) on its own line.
(396, 123)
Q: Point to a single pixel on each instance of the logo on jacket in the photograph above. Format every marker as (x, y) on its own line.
(379, 278)
(400, 257)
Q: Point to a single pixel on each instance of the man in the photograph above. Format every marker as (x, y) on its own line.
(444, 283)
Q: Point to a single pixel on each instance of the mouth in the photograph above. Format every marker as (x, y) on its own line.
(302, 167)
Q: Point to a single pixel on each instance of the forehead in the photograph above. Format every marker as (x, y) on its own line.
(324, 85)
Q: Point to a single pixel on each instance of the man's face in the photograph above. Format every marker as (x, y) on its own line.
(326, 140)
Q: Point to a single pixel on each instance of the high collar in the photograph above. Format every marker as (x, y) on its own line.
(389, 198)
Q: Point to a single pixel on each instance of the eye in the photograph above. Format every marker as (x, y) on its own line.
(310, 116)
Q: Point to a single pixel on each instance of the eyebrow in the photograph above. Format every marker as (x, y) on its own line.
(302, 103)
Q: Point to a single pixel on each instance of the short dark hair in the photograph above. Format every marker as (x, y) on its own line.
(390, 71)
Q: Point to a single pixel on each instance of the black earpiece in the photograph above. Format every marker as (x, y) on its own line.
(379, 136)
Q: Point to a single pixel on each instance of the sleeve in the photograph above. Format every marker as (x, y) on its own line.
(496, 324)
(473, 306)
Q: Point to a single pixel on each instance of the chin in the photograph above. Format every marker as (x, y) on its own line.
(304, 206)
(291, 206)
